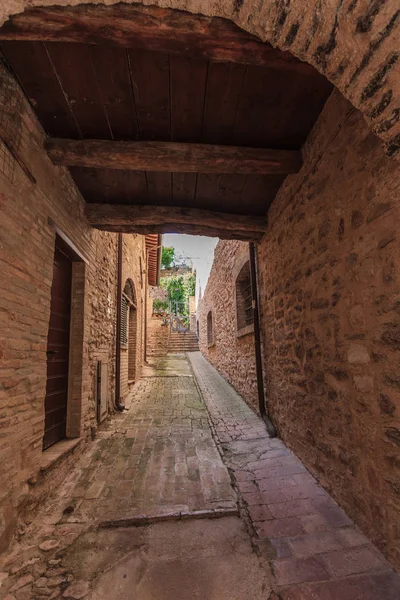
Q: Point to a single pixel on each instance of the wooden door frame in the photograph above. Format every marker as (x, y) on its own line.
(76, 339)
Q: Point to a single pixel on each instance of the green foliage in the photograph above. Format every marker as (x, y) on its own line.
(160, 306)
(167, 257)
(174, 287)
(179, 288)
(189, 285)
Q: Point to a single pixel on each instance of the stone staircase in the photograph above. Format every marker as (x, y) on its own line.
(157, 338)
(160, 341)
(182, 342)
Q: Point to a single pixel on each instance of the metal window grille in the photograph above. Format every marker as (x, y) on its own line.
(248, 301)
(244, 297)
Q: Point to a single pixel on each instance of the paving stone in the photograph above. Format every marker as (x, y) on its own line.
(350, 537)
(274, 496)
(95, 490)
(335, 517)
(287, 527)
(276, 483)
(260, 513)
(159, 461)
(383, 587)
(280, 548)
(295, 519)
(247, 486)
(293, 570)
(314, 543)
(291, 508)
(314, 522)
(357, 560)
(299, 593)
(252, 498)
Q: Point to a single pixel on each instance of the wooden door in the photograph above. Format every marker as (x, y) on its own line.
(58, 351)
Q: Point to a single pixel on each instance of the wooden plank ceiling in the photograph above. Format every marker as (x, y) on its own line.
(117, 86)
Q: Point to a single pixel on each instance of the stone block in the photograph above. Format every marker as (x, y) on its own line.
(292, 570)
(358, 354)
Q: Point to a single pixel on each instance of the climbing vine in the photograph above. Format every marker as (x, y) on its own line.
(180, 287)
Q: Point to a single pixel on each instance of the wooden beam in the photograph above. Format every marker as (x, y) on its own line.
(223, 234)
(171, 219)
(147, 28)
(172, 157)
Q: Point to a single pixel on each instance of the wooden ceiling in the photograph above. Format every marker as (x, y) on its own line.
(191, 86)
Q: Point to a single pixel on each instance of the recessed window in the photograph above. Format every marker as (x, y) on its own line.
(244, 298)
(127, 303)
(129, 326)
(210, 329)
(124, 321)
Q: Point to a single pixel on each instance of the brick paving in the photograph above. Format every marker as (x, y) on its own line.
(314, 549)
(156, 461)
(161, 459)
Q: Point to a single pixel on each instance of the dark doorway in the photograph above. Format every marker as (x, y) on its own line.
(58, 350)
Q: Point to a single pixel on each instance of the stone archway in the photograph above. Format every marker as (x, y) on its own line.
(351, 42)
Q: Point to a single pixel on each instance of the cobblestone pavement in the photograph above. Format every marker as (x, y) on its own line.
(156, 461)
(313, 548)
(161, 459)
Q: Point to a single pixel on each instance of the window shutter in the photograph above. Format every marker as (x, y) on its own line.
(124, 321)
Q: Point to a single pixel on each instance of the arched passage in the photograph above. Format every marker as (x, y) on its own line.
(351, 42)
(352, 46)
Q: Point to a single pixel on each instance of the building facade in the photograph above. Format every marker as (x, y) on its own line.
(58, 313)
(329, 289)
(226, 330)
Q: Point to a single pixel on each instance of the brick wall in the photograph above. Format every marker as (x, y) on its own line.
(329, 276)
(232, 351)
(157, 337)
(29, 195)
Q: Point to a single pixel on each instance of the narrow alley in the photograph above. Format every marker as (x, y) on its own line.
(199, 300)
(184, 496)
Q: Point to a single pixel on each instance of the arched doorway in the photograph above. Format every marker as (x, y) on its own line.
(129, 331)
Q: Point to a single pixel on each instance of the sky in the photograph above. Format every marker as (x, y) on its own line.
(198, 249)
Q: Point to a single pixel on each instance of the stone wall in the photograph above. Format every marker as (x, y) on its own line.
(231, 353)
(32, 191)
(329, 280)
(330, 289)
